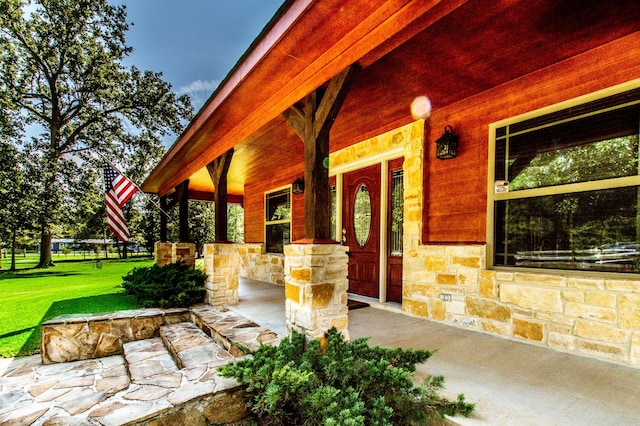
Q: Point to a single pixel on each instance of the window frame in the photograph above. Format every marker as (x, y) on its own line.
(280, 221)
(597, 185)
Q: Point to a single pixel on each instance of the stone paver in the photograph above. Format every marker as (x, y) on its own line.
(139, 385)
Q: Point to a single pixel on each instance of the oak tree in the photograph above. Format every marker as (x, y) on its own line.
(62, 70)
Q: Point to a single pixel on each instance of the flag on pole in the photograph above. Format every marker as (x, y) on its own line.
(119, 190)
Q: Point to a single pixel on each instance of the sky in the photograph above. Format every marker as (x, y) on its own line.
(194, 43)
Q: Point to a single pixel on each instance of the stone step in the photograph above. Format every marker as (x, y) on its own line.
(150, 363)
(191, 347)
(236, 333)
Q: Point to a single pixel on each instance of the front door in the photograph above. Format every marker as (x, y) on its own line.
(361, 221)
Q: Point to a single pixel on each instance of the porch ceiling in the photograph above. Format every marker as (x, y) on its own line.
(448, 50)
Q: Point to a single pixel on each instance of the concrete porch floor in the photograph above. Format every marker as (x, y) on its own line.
(512, 383)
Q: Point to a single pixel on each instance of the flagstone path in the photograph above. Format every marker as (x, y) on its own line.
(172, 378)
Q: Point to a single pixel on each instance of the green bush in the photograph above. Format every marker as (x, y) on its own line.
(170, 286)
(333, 382)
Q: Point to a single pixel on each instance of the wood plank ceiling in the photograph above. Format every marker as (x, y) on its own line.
(448, 50)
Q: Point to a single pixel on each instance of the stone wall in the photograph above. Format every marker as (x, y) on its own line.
(87, 336)
(316, 288)
(257, 265)
(588, 316)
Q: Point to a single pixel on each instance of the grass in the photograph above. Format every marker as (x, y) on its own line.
(29, 297)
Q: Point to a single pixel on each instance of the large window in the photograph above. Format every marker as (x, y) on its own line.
(277, 220)
(566, 192)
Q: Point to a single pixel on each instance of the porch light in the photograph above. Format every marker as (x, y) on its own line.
(297, 187)
(447, 144)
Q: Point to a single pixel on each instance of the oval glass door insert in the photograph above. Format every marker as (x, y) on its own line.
(362, 215)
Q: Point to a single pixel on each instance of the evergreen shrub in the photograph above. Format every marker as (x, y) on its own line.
(330, 382)
(170, 286)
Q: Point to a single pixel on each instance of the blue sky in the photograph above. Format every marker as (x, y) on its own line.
(194, 43)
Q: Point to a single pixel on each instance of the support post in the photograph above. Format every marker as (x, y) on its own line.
(316, 288)
(182, 193)
(313, 126)
(163, 219)
(218, 169)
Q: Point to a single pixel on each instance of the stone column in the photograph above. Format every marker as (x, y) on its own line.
(222, 266)
(316, 288)
(185, 253)
(162, 252)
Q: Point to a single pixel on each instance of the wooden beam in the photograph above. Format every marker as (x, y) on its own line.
(206, 196)
(218, 169)
(295, 118)
(332, 101)
(163, 219)
(182, 195)
(313, 126)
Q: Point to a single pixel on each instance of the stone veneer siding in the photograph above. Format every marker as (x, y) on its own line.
(587, 314)
(316, 288)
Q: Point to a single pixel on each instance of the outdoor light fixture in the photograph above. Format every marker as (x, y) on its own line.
(298, 186)
(447, 144)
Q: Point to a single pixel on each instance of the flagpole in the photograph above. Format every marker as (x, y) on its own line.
(137, 187)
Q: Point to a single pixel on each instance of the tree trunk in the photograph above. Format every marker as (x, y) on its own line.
(124, 250)
(45, 251)
(13, 251)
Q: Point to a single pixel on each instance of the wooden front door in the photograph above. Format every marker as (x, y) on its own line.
(361, 222)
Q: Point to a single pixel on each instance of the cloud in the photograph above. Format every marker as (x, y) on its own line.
(199, 91)
(199, 86)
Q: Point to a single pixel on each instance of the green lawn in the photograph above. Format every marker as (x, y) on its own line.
(29, 297)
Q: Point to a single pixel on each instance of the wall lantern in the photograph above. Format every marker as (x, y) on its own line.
(298, 186)
(447, 144)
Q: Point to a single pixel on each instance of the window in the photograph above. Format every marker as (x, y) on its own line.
(334, 210)
(396, 212)
(277, 220)
(567, 187)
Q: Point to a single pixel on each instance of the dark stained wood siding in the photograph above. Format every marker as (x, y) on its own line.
(254, 202)
(455, 191)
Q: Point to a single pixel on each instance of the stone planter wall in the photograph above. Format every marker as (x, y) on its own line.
(316, 288)
(79, 336)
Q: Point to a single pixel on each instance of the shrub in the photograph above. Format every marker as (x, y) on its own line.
(170, 286)
(333, 382)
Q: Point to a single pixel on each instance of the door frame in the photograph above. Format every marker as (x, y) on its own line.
(383, 159)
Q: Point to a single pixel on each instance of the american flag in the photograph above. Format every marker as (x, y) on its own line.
(119, 189)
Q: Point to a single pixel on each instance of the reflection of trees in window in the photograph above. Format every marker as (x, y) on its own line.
(397, 212)
(277, 220)
(334, 210)
(574, 188)
(601, 160)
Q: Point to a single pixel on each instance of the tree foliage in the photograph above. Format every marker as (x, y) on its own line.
(61, 69)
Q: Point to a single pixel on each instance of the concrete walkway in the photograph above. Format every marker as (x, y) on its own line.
(512, 383)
